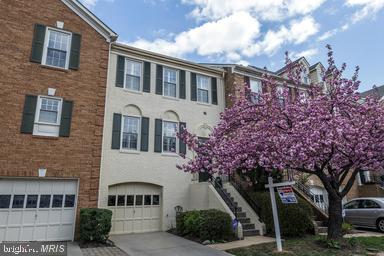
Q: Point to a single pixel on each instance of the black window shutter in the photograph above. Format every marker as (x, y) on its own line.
(147, 77)
(116, 130)
(120, 68)
(182, 145)
(38, 43)
(182, 84)
(66, 117)
(158, 135)
(74, 59)
(159, 79)
(214, 90)
(144, 134)
(28, 114)
(193, 87)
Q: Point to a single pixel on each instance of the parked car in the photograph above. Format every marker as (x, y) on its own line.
(365, 212)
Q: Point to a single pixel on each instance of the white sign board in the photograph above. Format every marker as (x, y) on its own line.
(287, 195)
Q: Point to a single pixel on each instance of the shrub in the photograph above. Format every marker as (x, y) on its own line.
(95, 224)
(346, 228)
(215, 225)
(205, 224)
(295, 219)
(192, 222)
(180, 228)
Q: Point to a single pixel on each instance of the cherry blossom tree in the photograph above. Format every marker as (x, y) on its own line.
(328, 132)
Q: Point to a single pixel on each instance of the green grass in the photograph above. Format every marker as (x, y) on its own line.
(311, 246)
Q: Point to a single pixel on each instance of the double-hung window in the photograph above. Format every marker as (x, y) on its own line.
(130, 133)
(203, 87)
(169, 82)
(49, 110)
(133, 74)
(256, 90)
(169, 136)
(57, 48)
(280, 96)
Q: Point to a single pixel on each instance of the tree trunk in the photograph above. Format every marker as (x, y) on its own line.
(335, 213)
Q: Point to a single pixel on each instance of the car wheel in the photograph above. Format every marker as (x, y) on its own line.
(380, 225)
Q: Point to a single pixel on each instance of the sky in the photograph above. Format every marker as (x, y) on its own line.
(254, 32)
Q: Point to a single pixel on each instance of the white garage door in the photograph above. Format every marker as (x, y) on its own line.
(37, 210)
(136, 208)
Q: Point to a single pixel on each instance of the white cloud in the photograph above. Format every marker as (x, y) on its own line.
(92, 3)
(368, 8)
(89, 3)
(265, 10)
(327, 35)
(232, 38)
(224, 36)
(298, 32)
(308, 54)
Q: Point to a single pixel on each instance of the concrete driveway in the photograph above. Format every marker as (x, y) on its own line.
(162, 244)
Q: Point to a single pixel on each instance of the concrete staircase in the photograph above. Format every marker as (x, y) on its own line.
(249, 228)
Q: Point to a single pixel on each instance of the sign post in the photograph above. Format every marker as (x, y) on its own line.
(271, 187)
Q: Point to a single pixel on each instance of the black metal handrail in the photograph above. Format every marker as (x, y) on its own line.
(244, 193)
(218, 185)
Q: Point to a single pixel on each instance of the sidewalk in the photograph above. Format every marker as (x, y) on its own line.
(247, 241)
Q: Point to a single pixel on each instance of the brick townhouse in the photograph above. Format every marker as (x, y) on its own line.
(54, 56)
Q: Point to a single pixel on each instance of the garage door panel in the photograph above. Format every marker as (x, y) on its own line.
(40, 233)
(32, 188)
(27, 233)
(3, 218)
(16, 217)
(55, 217)
(29, 218)
(13, 233)
(42, 218)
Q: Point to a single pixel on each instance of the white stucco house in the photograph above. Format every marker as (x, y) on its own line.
(149, 97)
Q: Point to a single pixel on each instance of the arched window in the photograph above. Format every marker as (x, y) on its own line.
(130, 128)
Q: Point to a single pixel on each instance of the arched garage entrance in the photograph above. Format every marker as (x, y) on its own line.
(136, 207)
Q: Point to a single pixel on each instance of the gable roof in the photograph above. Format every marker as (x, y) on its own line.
(377, 90)
(84, 13)
(315, 65)
(278, 72)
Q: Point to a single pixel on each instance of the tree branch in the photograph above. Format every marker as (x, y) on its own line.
(349, 183)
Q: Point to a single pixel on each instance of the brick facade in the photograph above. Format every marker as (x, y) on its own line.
(77, 156)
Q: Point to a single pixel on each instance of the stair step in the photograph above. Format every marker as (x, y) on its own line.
(244, 220)
(248, 226)
(251, 232)
(320, 223)
(322, 229)
(241, 215)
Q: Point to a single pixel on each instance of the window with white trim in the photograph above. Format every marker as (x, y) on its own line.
(49, 110)
(133, 75)
(47, 116)
(169, 137)
(130, 133)
(256, 90)
(57, 48)
(203, 88)
(170, 82)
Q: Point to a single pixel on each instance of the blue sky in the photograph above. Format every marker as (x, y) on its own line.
(255, 32)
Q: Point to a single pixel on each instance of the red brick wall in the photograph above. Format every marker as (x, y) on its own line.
(234, 84)
(22, 154)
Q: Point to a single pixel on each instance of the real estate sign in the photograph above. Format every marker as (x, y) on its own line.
(287, 195)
